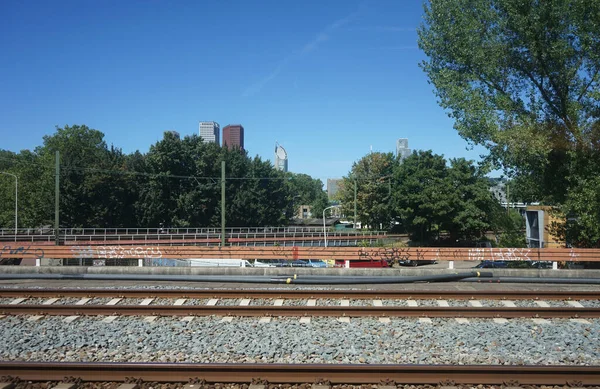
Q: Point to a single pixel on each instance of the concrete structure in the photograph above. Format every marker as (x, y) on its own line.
(333, 187)
(233, 136)
(402, 150)
(281, 158)
(538, 220)
(303, 212)
(209, 132)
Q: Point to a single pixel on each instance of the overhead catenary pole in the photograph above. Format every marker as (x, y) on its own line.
(222, 203)
(355, 190)
(56, 199)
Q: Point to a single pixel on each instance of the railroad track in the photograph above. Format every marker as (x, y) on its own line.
(302, 373)
(299, 294)
(119, 306)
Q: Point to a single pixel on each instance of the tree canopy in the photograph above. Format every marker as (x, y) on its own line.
(522, 79)
(175, 184)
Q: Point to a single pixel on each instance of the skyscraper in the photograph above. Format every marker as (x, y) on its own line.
(233, 135)
(402, 150)
(281, 158)
(209, 132)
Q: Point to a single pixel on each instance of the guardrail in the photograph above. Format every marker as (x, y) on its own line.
(391, 255)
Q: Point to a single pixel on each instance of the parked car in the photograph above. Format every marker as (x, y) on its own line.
(300, 263)
(316, 263)
(492, 265)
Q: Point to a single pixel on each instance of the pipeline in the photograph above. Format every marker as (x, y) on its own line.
(534, 280)
(304, 280)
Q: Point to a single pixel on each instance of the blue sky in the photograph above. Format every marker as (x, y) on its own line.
(326, 79)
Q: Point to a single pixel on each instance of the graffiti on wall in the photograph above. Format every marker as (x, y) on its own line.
(21, 251)
(112, 252)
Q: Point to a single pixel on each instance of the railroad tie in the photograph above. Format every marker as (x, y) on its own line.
(180, 302)
(345, 303)
(187, 319)
(109, 319)
(540, 321)
(442, 303)
(212, 302)
(114, 301)
(500, 320)
(344, 319)
(412, 303)
(305, 320)
(128, 386)
(35, 318)
(257, 386)
(51, 301)
(543, 304)
(509, 304)
(461, 320)
(18, 301)
(425, 320)
(264, 320)
(377, 303)
(244, 302)
(311, 303)
(475, 303)
(227, 319)
(147, 301)
(320, 386)
(150, 319)
(7, 385)
(277, 303)
(575, 304)
(65, 385)
(83, 301)
(70, 319)
(580, 321)
(385, 320)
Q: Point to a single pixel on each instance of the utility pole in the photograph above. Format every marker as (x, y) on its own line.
(355, 190)
(56, 199)
(507, 199)
(222, 203)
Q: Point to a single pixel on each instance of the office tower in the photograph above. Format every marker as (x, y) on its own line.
(209, 132)
(281, 158)
(333, 187)
(402, 150)
(233, 136)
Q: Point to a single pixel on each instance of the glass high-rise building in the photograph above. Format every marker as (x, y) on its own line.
(402, 150)
(209, 132)
(281, 158)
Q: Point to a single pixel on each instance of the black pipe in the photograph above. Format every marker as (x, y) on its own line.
(248, 279)
(534, 280)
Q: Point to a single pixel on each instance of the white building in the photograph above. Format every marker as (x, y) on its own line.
(281, 158)
(209, 132)
(402, 150)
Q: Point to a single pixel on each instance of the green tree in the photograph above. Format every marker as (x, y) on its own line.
(305, 190)
(522, 79)
(373, 176)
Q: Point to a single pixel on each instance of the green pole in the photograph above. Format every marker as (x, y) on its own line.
(56, 199)
(355, 189)
(222, 203)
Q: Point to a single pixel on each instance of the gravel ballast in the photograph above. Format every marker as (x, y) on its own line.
(285, 340)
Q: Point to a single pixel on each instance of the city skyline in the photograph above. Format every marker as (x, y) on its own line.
(326, 72)
(210, 132)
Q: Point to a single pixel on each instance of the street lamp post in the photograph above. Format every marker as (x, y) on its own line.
(16, 197)
(324, 228)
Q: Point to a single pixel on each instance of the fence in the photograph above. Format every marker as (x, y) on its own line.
(151, 253)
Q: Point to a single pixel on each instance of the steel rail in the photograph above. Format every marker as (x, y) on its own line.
(324, 310)
(302, 294)
(302, 373)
